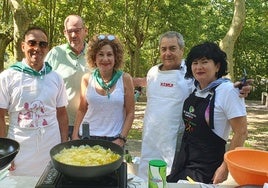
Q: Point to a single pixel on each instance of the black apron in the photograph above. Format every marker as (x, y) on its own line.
(202, 150)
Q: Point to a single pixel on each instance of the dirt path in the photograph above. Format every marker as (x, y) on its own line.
(257, 127)
(257, 118)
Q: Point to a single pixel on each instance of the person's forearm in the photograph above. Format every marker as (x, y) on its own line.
(63, 124)
(240, 132)
(238, 140)
(128, 124)
(64, 131)
(3, 128)
(78, 120)
(221, 173)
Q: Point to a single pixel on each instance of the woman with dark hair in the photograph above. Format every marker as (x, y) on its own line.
(209, 114)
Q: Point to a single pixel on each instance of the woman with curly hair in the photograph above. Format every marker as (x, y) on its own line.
(107, 93)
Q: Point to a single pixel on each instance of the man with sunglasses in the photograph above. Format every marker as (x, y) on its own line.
(35, 98)
(69, 61)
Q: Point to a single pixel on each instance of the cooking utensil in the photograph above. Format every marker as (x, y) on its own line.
(249, 186)
(248, 166)
(8, 150)
(244, 79)
(190, 179)
(85, 172)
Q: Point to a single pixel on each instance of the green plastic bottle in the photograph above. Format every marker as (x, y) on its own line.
(157, 174)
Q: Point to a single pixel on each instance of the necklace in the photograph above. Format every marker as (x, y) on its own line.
(107, 85)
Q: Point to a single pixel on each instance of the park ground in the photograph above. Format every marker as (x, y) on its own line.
(257, 117)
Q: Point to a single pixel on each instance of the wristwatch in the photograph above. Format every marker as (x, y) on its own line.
(121, 137)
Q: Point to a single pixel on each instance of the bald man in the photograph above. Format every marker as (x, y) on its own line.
(69, 61)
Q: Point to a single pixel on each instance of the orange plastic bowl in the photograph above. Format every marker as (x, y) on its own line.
(248, 166)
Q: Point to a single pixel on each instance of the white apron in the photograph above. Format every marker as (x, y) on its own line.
(33, 121)
(163, 125)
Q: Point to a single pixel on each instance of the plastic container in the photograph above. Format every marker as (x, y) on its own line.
(248, 166)
(157, 174)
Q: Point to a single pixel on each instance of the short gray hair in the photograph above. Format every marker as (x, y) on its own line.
(171, 34)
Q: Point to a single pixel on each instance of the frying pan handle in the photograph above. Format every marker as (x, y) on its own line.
(85, 129)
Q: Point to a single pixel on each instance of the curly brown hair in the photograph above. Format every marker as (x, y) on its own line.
(96, 43)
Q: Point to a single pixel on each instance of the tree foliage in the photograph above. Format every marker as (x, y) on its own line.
(139, 24)
(5, 30)
(252, 46)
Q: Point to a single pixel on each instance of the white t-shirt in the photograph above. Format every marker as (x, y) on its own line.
(31, 103)
(228, 105)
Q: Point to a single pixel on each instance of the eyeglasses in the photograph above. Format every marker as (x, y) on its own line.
(33, 43)
(76, 30)
(109, 37)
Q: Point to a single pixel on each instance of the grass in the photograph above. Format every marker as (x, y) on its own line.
(135, 134)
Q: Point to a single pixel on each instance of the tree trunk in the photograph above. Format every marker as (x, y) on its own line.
(21, 23)
(5, 39)
(228, 42)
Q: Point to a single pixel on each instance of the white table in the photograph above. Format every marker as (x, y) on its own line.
(30, 182)
(18, 182)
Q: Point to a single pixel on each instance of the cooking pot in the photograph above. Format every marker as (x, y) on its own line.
(8, 150)
(85, 172)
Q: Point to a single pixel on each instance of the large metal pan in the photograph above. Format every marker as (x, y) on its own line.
(80, 172)
(8, 150)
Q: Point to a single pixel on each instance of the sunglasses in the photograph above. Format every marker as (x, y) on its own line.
(109, 37)
(76, 31)
(33, 43)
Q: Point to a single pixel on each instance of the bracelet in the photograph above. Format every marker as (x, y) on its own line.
(121, 137)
